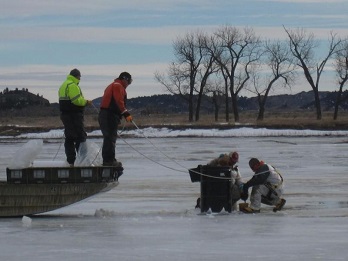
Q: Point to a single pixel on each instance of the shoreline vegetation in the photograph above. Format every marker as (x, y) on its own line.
(13, 126)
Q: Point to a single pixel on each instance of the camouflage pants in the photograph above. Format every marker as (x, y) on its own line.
(263, 194)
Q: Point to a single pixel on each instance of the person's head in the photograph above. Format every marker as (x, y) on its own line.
(234, 157)
(126, 78)
(254, 164)
(76, 73)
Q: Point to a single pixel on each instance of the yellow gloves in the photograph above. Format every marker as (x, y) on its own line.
(129, 118)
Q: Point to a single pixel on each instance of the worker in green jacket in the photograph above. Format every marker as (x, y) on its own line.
(72, 105)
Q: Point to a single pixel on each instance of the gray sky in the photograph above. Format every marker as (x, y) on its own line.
(42, 40)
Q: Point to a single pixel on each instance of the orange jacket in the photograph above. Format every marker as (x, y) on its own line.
(114, 98)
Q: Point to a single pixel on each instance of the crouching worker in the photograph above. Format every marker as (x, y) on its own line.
(230, 160)
(267, 187)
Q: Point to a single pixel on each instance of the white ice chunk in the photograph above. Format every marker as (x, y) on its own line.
(24, 157)
(26, 221)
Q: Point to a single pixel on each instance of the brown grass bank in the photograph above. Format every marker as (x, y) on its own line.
(276, 120)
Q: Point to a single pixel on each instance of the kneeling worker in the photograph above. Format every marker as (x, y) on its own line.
(231, 161)
(267, 187)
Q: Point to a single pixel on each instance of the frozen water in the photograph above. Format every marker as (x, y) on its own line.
(151, 215)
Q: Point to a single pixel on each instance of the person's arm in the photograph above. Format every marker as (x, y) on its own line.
(119, 94)
(76, 96)
(259, 177)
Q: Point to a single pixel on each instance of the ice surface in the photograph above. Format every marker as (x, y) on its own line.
(151, 215)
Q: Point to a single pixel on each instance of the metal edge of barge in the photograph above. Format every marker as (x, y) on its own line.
(31, 191)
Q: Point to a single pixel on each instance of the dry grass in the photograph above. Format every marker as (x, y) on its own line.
(296, 120)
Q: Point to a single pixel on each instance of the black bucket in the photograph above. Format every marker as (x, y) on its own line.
(215, 189)
(195, 174)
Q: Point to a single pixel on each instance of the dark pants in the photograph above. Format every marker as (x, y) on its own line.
(74, 132)
(108, 123)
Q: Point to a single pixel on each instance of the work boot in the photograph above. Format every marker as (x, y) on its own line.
(114, 163)
(249, 210)
(280, 205)
(198, 205)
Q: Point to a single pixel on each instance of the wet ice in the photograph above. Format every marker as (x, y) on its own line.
(151, 215)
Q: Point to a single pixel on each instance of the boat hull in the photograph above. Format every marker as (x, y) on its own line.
(36, 190)
(30, 199)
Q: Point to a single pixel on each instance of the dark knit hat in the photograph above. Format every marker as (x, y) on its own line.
(253, 162)
(76, 73)
(126, 76)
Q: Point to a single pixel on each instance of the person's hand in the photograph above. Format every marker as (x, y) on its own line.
(244, 196)
(129, 118)
(241, 185)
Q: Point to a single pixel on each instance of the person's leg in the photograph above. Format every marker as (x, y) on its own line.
(79, 127)
(108, 125)
(263, 194)
(235, 196)
(256, 196)
(274, 194)
(278, 201)
(70, 137)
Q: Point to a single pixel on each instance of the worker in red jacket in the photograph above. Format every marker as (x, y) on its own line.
(112, 109)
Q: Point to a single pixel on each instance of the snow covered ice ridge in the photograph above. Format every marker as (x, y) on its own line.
(169, 133)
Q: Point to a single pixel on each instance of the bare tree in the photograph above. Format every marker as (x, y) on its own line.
(190, 70)
(218, 95)
(173, 80)
(302, 46)
(207, 68)
(213, 51)
(235, 51)
(279, 71)
(341, 66)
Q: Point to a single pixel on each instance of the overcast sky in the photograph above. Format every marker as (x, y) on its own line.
(42, 40)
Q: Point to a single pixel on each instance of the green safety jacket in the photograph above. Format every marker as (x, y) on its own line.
(70, 96)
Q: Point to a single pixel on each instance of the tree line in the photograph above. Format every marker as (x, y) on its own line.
(231, 59)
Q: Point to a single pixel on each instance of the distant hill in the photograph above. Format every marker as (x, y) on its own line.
(175, 104)
(18, 99)
(23, 103)
(299, 101)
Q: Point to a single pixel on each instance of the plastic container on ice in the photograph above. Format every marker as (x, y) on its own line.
(215, 187)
